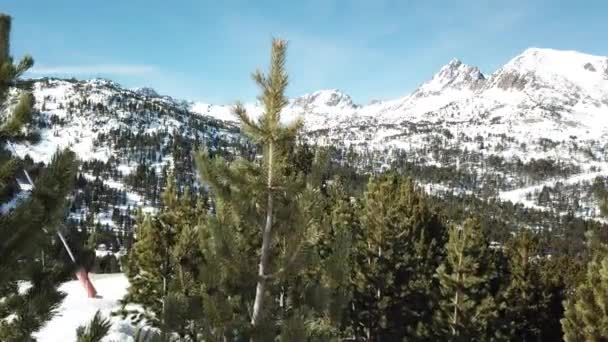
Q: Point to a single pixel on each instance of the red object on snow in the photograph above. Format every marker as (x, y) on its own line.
(83, 277)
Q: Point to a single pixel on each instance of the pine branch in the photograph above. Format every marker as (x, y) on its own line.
(95, 330)
(249, 127)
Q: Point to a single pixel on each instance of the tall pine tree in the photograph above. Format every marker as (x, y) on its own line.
(586, 314)
(148, 269)
(266, 273)
(163, 264)
(467, 308)
(523, 302)
(396, 254)
(27, 225)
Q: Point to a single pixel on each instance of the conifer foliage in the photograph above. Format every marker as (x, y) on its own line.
(95, 330)
(9, 77)
(396, 254)
(586, 314)
(163, 264)
(31, 216)
(266, 271)
(467, 308)
(523, 307)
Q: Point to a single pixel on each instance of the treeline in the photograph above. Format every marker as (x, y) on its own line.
(406, 272)
(438, 157)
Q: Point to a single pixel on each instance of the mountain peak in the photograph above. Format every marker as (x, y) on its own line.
(558, 61)
(146, 91)
(454, 75)
(549, 66)
(454, 63)
(103, 82)
(326, 98)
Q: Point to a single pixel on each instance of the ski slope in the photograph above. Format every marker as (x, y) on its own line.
(78, 310)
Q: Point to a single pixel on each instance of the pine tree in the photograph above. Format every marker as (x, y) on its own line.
(163, 265)
(9, 77)
(147, 269)
(185, 252)
(523, 303)
(466, 307)
(344, 223)
(560, 274)
(586, 314)
(26, 230)
(396, 254)
(264, 273)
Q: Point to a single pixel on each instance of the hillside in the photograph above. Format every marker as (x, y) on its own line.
(534, 132)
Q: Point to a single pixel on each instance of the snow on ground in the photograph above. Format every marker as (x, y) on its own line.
(519, 195)
(78, 310)
(215, 111)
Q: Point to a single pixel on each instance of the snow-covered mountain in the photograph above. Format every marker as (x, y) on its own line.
(77, 114)
(540, 94)
(544, 107)
(543, 104)
(318, 108)
(538, 80)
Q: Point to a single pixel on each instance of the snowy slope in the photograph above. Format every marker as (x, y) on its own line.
(77, 309)
(79, 111)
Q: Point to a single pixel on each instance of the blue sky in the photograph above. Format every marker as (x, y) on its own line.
(372, 49)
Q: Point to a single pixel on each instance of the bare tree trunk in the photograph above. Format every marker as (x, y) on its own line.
(265, 252)
(5, 32)
(459, 276)
(455, 317)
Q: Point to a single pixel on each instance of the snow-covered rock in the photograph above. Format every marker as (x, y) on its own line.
(456, 76)
(146, 91)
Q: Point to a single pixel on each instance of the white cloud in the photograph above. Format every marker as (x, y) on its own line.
(100, 69)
